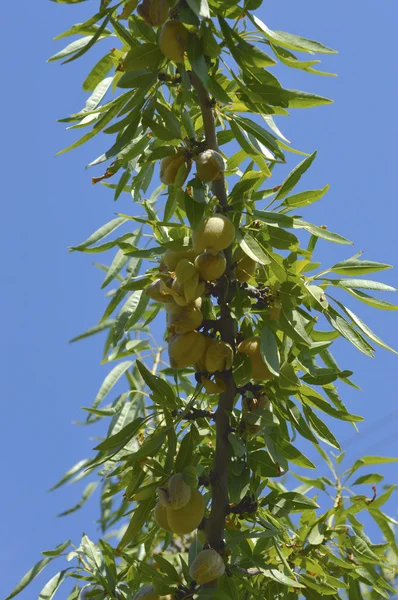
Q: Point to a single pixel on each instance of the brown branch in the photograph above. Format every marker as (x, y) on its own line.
(219, 481)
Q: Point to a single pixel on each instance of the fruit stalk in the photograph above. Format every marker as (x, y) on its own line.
(219, 478)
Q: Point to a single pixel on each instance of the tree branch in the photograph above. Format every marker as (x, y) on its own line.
(219, 479)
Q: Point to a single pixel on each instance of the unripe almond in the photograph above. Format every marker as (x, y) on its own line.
(214, 234)
(154, 12)
(201, 364)
(251, 347)
(207, 566)
(173, 40)
(213, 387)
(170, 165)
(172, 257)
(179, 492)
(187, 518)
(188, 319)
(186, 349)
(218, 356)
(155, 291)
(185, 269)
(246, 266)
(210, 166)
(210, 266)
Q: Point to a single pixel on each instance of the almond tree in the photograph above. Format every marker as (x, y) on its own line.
(198, 471)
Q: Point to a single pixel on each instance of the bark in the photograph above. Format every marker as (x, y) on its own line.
(227, 329)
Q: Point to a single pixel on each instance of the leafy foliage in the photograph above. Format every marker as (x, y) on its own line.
(279, 542)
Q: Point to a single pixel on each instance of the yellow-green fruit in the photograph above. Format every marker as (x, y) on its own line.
(213, 387)
(186, 349)
(173, 40)
(185, 269)
(147, 592)
(210, 166)
(210, 267)
(218, 356)
(156, 292)
(201, 364)
(160, 514)
(251, 347)
(154, 12)
(246, 266)
(179, 492)
(214, 234)
(187, 318)
(170, 165)
(207, 566)
(188, 518)
(172, 257)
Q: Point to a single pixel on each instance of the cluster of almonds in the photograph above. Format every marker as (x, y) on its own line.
(173, 39)
(181, 291)
(180, 508)
(210, 166)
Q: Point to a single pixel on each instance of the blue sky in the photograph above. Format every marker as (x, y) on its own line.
(50, 295)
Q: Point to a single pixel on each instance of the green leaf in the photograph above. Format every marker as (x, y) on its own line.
(371, 301)
(122, 437)
(166, 567)
(261, 461)
(185, 452)
(98, 73)
(293, 454)
(93, 330)
(269, 350)
(320, 428)
(281, 578)
(28, 577)
(94, 39)
(289, 40)
(58, 550)
(364, 284)
(294, 177)
(140, 516)
(110, 381)
(79, 466)
(361, 549)
(321, 232)
(354, 266)
(143, 56)
(305, 198)
(72, 48)
(365, 329)
(200, 8)
(347, 331)
(252, 248)
(369, 478)
(49, 590)
(162, 389)
(366, 461)
(101, 233)
(293, 324)
(87, 492)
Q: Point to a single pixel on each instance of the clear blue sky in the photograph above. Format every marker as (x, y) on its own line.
(50, 295)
